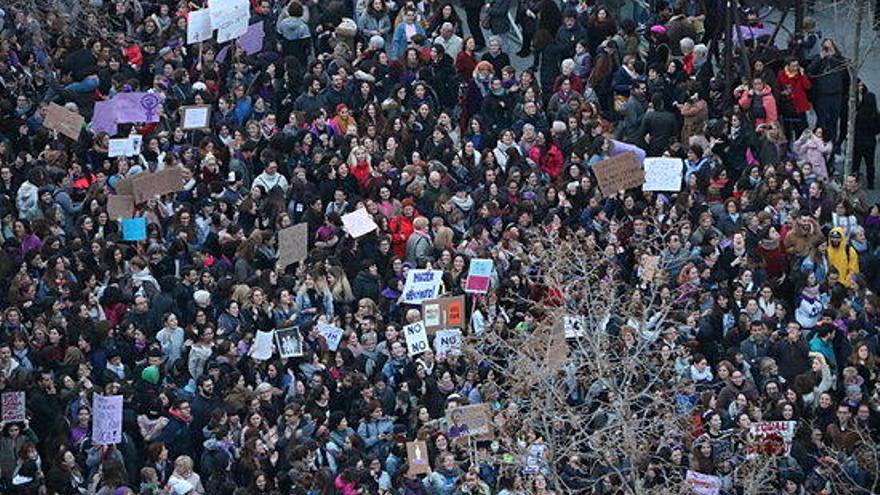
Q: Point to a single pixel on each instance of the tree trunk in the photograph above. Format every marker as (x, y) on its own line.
(854, 64)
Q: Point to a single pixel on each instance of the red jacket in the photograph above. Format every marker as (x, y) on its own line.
(549, 160)
(361, 172)
(798, 86)
(401, 228)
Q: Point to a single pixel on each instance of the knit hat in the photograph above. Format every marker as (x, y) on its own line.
(150, 374)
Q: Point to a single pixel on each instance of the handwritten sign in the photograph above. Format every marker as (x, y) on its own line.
(479, 277)
(293, 244)
(263, 346)
(618, 173)
(120, 206)
(289, 342)
(152, 185)
(650, 266)
(574, 326)
(469, 421)
(229, 18)
(771, 437)
(446, 312)
(417, 457)
(63, 121)
(332, 335)
(416, 338)
(447, 342)
(663, 174)
(198, 26)
(703, 484)
(106, 419)
(359, 223)
(128, 146)
(13, 407)
(196, 117)
(421, 285)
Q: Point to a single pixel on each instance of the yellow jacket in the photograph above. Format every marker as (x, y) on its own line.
(843, 258)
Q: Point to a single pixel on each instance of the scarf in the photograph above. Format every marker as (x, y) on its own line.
(811, 293)
(465, 205)
(770, 244)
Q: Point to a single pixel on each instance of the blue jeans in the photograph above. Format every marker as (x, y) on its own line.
(87, 85)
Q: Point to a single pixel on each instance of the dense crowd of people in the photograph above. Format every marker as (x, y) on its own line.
(466, 131)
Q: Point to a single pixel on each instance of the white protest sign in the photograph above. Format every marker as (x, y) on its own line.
(198, 26)
(13, 407)
(264, 346)
(771, 437)
(332, 334)
(703, 484)
(416, 338)
(129, 146)
(421, 285)
(447, 342)
(106, 419)
(358, 223)
(229, 18)
(663, 174)
(196, 117)
(574, 326)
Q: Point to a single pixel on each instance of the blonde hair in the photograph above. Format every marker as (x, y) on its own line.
(183, 465)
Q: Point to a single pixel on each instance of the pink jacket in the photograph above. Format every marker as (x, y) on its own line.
(769, 102)
(815, 151)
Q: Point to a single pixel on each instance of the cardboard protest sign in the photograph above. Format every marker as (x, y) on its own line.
(618, 173)
(417, 457)
(421, 285)
(263, 346)
(125, 185)
(195, 117)
(134, 229)
(479, 277)
(544, 353)
(446, 312)
(293, 244)
(650, 265)
(703, 484)
(252, 40)
(771, 437)
(63, 121)
(106, 419)
(128, 146)
(358, 223)
(574, 326)
(332, 334)
(104, 118)
(416, 338)
(133, 108)
(447, 342)
(469, 421)
(663, 174)
(289, 342)
(229, 18)
(13, 407)
(120, 206)
(198, 26)
(152, 185)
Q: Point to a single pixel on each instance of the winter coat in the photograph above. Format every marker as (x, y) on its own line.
(768, 103)
(797, 87)
(814, 150)
(844, 259)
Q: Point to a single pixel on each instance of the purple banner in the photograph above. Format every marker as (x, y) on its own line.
(104, 118)
(252, 40)
(137, 107)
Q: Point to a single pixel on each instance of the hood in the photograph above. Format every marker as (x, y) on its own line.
(843, 239)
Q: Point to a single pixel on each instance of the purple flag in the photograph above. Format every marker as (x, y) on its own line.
(748, 33)
(252, 40)
(137, 107)
(621, 147)
(221, 55)
(104, 118)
